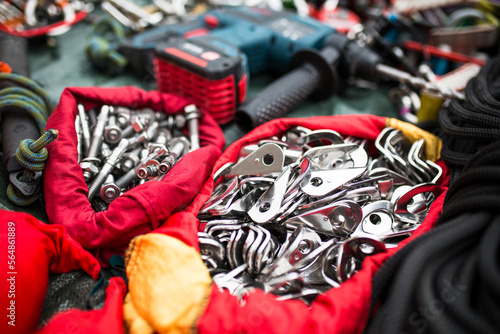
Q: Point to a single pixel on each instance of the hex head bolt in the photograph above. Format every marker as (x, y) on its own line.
(89, 168)
(108, 167)
(137, 125)
(112, 132)
(192, 118)
(109, 190)
(84, 123)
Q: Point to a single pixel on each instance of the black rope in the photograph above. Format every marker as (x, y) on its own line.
(473, 123)
(448, 280)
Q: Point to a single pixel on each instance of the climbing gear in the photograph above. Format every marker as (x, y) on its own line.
(31, 155)
(25, 95)
(299, 214)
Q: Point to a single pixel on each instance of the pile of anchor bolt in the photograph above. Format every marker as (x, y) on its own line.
(297, 215)
(120, 148)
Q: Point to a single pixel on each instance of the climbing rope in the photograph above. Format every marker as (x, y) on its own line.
(25, 95)
(31, 155)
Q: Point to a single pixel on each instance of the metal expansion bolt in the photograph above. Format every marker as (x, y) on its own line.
(148, 171)
(178, 147)
(192, 118)
(150, 166)
(108, 167)
(97, 136)
(78, 128)
(109, 190)
(85, 130)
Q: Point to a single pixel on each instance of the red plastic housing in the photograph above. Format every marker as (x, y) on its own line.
(215, 96)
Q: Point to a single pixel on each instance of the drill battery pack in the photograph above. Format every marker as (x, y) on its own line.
(207, 71)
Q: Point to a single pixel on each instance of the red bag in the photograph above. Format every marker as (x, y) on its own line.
(341, 310)
(30, 249)
(138, 211)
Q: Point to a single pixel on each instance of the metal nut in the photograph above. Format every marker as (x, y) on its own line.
(112, 134)
(109, 192)
(89, 170)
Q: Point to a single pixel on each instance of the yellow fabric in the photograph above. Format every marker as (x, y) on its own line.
(132, 320)
(432, 143)
(168, 285)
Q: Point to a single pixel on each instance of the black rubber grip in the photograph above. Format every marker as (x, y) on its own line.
(279, 98)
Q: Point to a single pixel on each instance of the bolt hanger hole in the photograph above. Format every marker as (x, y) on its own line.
(264, 207)
(268, 159)
(316, 181)
(375, 219)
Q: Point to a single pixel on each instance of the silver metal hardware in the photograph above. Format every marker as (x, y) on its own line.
(297, 216)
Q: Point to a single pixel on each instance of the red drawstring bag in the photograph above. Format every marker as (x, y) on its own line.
(30, 250)
(340, 310)
(139, 210)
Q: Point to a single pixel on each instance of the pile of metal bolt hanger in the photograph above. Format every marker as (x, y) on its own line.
(129, 147)
(296, 217)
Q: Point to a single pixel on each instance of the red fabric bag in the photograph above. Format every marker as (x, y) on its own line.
(30, 250)
(167, 294)
(141, 209)
(341, 310)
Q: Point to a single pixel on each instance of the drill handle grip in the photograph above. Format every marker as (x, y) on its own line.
(279, 98)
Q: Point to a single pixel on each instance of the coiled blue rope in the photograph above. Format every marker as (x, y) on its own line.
(28, 96)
